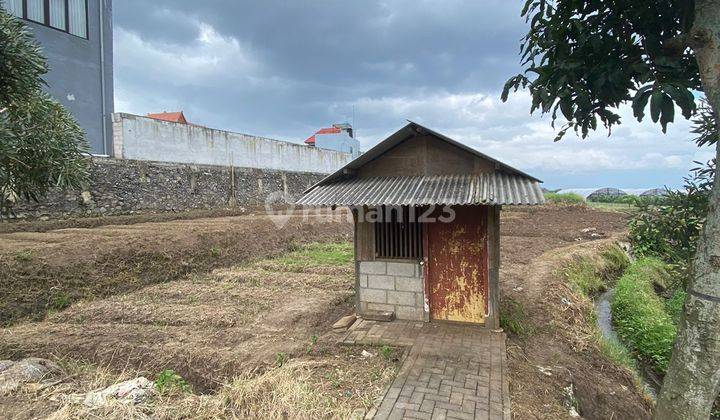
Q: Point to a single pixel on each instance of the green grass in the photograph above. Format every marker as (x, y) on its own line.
(318, 254)
(564, 198)
(640, 316)
(513, 317)
(170, 383)
(24, 256)
(616, 352)
(591, 276)
(619, 207)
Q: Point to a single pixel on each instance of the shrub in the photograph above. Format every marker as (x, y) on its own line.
(669, 228)
(639, 315)
(567, 199)
(614, 199)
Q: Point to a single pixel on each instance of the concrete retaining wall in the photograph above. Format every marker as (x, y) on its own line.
(120, 186)
(142, 138)
(392, 286)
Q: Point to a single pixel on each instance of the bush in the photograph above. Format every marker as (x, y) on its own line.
(639, 315)
(623, 199)
(669, 228)
(567, 199)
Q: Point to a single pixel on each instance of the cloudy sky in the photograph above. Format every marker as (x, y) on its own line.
(283, 69)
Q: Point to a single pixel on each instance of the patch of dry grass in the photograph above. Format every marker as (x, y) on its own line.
(310, 388)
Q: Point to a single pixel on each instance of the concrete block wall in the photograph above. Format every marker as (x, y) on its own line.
(395, 286)
(122, 186)
(146, 139)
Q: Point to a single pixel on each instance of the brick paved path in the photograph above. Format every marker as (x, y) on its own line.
(451, 371)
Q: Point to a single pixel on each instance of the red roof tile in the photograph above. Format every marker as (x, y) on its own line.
(176, 117)
(329, 130)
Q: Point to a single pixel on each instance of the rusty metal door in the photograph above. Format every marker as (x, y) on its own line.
(457, 266)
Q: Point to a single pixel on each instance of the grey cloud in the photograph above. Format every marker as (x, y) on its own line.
(285, 68)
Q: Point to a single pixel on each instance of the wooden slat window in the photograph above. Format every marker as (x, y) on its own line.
(398, 235)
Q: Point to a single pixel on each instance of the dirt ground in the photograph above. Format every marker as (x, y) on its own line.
(204, 298)
(561, 350)
(46, 271)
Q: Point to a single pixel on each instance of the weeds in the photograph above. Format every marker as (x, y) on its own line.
(215, 252)
(591, 276)
(313, 342)
(170, 383)
(24, 256)
(59, 302)
(616, 352)
(513, 317)
(280, 359)
(386, 352)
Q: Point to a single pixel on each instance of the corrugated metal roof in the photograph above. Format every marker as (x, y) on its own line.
(491, 189)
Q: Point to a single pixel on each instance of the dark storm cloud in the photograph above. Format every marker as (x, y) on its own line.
(320, 52)
(285, 68)
(352, 45)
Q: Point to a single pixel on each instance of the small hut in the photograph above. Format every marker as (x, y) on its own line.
(426, 210)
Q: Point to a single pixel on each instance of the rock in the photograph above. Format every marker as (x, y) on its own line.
(14, 374)
(344, 323)
(134, 391)
(366, 354)
(545, 370)
(382, 316)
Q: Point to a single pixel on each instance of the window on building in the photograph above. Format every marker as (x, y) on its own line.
(78, 17)
(65, 15)
(58, 15)
(36, 11)
(15, 7)
(398, 234)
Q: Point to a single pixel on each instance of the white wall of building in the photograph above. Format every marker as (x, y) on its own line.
(142, 138)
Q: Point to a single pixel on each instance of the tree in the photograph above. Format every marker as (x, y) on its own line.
(586, 58)
(41, 145)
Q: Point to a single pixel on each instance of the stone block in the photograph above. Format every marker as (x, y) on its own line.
(409, 313)
(363, 278)
(373, 296)
(401, 269)
(379, 281)
(401, 298)
(373, 267)
(382, 316)
(409, 284)
(380, 307)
